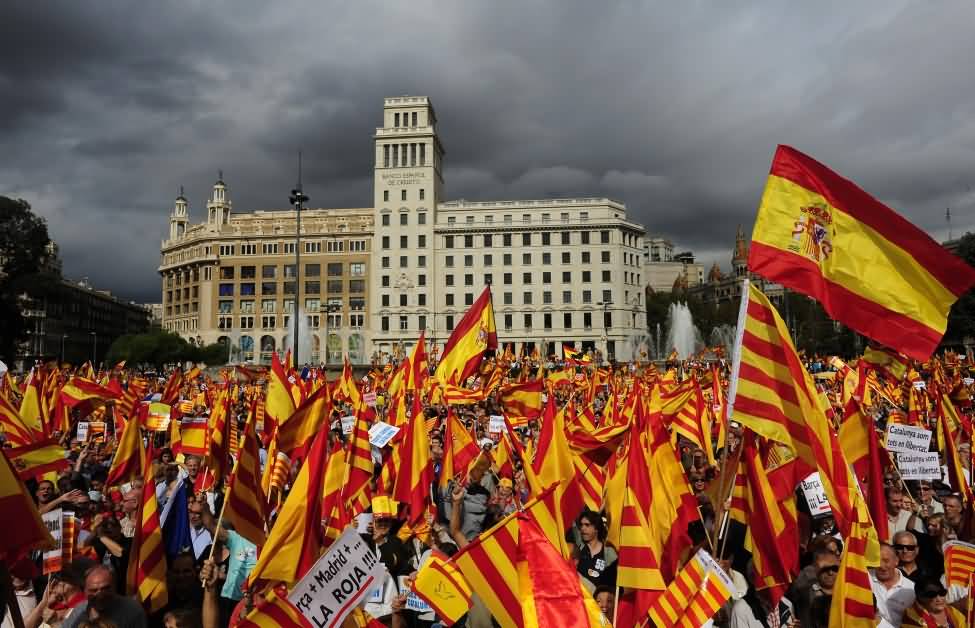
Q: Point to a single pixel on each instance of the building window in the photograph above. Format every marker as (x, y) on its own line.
(313, 287)
(546, 237)
(546, 258)
(547, 320)
(507, 279)
(468, 261)
(448, 280)
(386, 195)
(488, 260)
(402, 300)
(449, 261)
(587, 296)
(606, 275)
(586, 276)
(247, 322)
(546, 277)
(356, 321)
(313, 247)
(421, 280)
(404, 219)
(421, 218)
(313, 270)
(422, 194)
(526, 259)
(547, 298)
(335, 246)
(268, 272)
(334, 269)
(585, 257)
(421, 261)
(269, 287)
(567, 320)
(451, 220)
(604, 237)
(226, 289)
(566, 238)
(468, 240)
(607, 319)
(506, 239)
(384, 281)
(585, 236)
(470, 220)
(468, 280)
(604, 257)
(526, 298)
(506, 259)
(607, 296)
(528, 321)
(404, 241)
(488, 279)
(423, 154)
(421, 241)
(507, 298)
(384, 323)
(225, 307)
(334, 286)
(385, 262)
(421, 322)
(448, 242)
(384, 300)
(357, 286)
(448, 299)
(450, 322)
(566, 297)
(526, 278)
(488, 241)
(468, 298)
(402, 196)
(507, 322)
(385, 242)
(385, 155)
(357, 269)
(289, 248)
(421, 299)
(226, 272)
(269, 248)
(567, 276)
(404, 261)
(267, 306)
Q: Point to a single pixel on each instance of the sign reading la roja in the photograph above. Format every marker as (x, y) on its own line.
(338, 582)
(907, 439)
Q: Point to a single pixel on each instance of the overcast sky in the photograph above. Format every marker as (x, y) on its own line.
(673, 107)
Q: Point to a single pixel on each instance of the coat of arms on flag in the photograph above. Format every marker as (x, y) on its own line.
(812, 233)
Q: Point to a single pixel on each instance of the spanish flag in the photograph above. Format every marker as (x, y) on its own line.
(25, 531)
(872, 270)
(474, 334)
(572, 356)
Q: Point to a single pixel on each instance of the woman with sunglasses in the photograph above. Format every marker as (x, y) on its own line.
(930, 609)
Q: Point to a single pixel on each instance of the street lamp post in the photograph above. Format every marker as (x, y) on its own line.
(94, 348)
(63, 338)
(298, 199)
(605, 305)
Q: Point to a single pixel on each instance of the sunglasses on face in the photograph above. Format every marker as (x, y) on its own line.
(932, 593)
(904, 548)
(830, 569)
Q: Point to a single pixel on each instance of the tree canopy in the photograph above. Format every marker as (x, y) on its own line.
(23, 243)
(159, 348)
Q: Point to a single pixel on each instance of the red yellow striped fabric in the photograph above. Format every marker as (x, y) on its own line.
(473, 335)
(775, 396)
(959, 562)
(414, 476)
(24, 530)
(129, 458)
(522, 400)
(357, 490)
(460, 396)
(275, 612)
(280, 403)
(872, 270)
(36, 459)
(297, 430)
(14, 429)
(683, 409)
(246, 506)
(853, 580)
(441, 585)
(459, 450)
(667, 609)
(147, 561)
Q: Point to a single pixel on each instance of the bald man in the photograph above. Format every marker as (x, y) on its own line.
(105, 604)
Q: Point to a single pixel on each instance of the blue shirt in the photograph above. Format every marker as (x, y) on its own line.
(243, 557)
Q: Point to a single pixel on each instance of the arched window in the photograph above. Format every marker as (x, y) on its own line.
(356, 345)
(333, 349)
(247, 347)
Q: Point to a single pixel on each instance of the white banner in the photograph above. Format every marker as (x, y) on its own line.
(348, 422)
(919, 466)
(496, 424)
(52, 558)
(907, 439)
(812, 488)
(338, 582)
(381, 433)
(82, 431)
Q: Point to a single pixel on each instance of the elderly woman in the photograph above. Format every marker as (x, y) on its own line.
(930, 609)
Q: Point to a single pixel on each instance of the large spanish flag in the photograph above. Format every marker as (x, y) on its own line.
(872, 270)
(474, 334)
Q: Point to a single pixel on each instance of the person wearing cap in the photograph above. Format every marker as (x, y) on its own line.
(392, 554)
(931, 607)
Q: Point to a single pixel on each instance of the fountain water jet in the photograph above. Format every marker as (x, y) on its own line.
(682, 335)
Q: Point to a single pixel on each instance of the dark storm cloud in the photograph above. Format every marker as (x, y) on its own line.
(674, 109)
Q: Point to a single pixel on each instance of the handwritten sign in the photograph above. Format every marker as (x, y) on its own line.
(381, 433)
(82, 431)
(812, 488)
(348, 422)
(52, 557)
(919, 466)
(496, 424)
(370, 399)
(338, 582)
(907, 439)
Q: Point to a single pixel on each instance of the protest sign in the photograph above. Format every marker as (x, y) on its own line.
(52, 557)
(812, 488)
(370, 399)
(919, 466)
(338, 582)
(347, 423)
(496, 424)
(82, 431)
(157, 417)
(907, 439)
(381, 433)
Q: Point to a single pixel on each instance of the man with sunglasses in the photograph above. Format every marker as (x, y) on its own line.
(931, 607)
(827, 566)
(906, 548)
(893, 592)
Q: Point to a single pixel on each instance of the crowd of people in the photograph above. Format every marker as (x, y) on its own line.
(207, 568)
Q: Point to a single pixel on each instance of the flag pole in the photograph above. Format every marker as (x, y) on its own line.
(223, 508)
(730, 403)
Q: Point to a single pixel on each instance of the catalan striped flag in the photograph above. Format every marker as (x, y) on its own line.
(890, 363)
(553, 463)
(275, 612)
(419, 368)
(460, 396)
(776, 397)
(956, 471)
(959, 562)
(296, 539)
(221, 420)
(683, 409)
(441, 585)
(170, 392)
(854, 607)
(129, 460)
(245, 505)
(460, 450)
(523, 399)
(357, 490)
(147, 562)
(24, 530)
(872, 270)
(32, 411)
(863, 450)
(695, 595)
(414, 477)
(475, 334)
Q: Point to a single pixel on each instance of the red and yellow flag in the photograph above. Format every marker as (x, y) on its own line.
(523, 399)
(459, 450)
(441, 585)
(246, 505)
(275, 612)
(147, 561)
(415, 473)
(852, 591)
(959, 562)
(872, 270)
(24, 530)
(695, 595)
(297, 430)
(129, 460)
(473, 335)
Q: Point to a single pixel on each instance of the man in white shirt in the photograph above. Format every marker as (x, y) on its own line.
(892, 590)
(899, 515)
(201, 537)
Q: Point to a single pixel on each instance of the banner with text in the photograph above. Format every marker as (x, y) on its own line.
(907, 439)
(812, 488)
(919, 466)
(339, 581)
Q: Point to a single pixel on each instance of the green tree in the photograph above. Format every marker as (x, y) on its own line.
(23, 242)
(961, 318)
(159, 349)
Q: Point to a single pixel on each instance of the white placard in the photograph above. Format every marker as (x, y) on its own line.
(362, 521)
(496, 424)
(968, 381)
(919, 466)
(920, 385)
(52, 558)
(338, 582)
(415, 603)
(348, 422)
(907, 439)
(812, 488)
(381, 433)
(82, 431)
